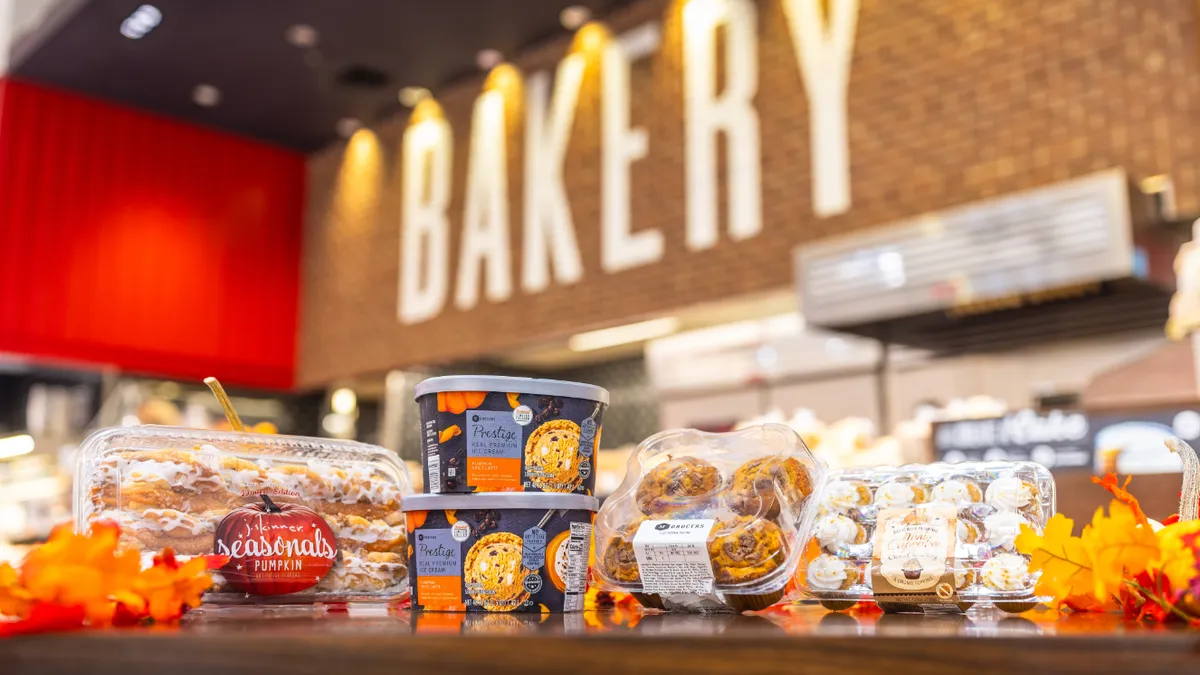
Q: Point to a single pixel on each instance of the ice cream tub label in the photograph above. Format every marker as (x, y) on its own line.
(509, 434)
(499, 552)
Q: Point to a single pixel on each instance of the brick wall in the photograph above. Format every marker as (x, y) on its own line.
(950, 101)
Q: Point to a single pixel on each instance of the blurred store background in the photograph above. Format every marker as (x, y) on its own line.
(915, 230)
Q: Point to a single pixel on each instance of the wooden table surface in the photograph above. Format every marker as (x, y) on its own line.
(796, 639)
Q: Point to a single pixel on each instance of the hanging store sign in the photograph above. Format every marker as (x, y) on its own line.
(1057, 439)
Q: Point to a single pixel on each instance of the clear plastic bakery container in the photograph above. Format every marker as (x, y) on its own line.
(709, 521)
(301, 519)
(991, 501)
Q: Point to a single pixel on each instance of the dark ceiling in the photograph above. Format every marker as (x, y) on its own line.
(271, 89)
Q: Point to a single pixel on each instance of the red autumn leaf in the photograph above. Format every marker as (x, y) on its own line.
(215, 562)
(45, 617)
(1171, 519)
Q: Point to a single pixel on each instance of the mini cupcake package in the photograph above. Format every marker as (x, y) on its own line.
(709, 522)
(916, 538)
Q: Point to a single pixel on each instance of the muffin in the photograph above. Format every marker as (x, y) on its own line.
(960, 492)
(899, 493)
(1010, 493)
(745, 548)
(752, 489)
(1002, 529)
(830, 573)
(676, 485)
(619, 560)
(1006, 572)
(836, 531)
(843, 495)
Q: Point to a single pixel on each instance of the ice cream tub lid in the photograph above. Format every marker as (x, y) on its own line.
(521, 385)
(501, 500)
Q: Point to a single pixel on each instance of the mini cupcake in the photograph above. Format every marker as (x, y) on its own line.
(1010, 493)
(899, 494)
(831, 573)
(960, 492)
(1002, 528)
(1006, 572)
(745, 548)
(836, 532)
(843, 495)
(970, 531)
(618, 559)
(677, 485)
(752, 490)
(965, 577)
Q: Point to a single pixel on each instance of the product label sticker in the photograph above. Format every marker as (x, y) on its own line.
(533, 548)
(673, 557)
(494, 448)
(913, 556)
(578, 547)
(439, 567)
(275, 549)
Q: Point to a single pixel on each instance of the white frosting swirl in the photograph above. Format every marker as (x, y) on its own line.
(1009, 492)
(951, 491)
(826, 572)
(1003, 527)
(843, 494)
(894, 494)
(1006, 572)
(836, 531)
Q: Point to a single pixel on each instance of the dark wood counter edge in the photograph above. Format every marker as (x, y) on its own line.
(345, 653)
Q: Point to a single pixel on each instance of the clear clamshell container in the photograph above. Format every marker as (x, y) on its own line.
(709, 521)
(989, 502)
(301, 519)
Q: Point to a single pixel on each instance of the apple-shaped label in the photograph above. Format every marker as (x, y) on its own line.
(275, 549)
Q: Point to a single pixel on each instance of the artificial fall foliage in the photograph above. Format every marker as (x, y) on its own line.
(84, 580)
(1119, 561)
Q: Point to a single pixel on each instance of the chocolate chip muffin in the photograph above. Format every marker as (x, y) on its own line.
(677, 485)
(752, 491)
(619, 560)
(745, 548)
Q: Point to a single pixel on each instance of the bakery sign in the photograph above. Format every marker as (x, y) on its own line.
(822, 35)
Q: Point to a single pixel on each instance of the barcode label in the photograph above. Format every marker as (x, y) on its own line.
(434, 462)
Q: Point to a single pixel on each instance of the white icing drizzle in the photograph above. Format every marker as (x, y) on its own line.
(371, 533)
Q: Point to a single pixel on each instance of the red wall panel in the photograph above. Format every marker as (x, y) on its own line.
(153, 245)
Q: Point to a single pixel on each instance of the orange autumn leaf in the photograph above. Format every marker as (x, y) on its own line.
(455, 402)
(474, 399)
(512, 399)
(1063, 560)
(1121, 493)
(448, 433)
(87, 574)
(1120, 546)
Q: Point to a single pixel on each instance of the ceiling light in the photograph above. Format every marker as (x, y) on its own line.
(206, 95)
(411, 96)
(15, 446)
(343, 401)
(143, 20)
(302, 35)
(574, 16)
(347, 126)
(487, 59)
(634, 332)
